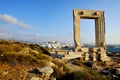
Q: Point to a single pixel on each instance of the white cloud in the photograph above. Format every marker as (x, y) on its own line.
(12, 20)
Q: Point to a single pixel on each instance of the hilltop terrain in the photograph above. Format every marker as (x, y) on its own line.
(18, 59)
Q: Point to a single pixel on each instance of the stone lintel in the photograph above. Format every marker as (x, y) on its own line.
(88, 14)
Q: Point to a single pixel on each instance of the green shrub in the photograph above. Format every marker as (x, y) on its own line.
(33, 46)
(43, 62)
(66, 69)
(45, 50)
(5, 48)
(10, 48)
(58, 72)
(13, 56)
(82, 75)
(8, 56)
(17, 48)
(77, 75)
(5, 42)
(25, 58)
(94, 73)
(79, 63)
(43, 57)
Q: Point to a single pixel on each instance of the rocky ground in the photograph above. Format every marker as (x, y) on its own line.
(20, 61)
(21, 71)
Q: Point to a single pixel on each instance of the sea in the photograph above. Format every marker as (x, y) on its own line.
(110, 48)
(113, 48)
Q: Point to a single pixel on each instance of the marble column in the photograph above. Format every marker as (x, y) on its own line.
(76, 24)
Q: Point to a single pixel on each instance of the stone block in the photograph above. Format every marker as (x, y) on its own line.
(94, 49)
(85, 49)
(73, 55)
(94, 57)
(71, 52)
(104, 57)
(86, 56)
(102, 50)
(47, 70)
(118, 70)
(61, 52)
(35, 78)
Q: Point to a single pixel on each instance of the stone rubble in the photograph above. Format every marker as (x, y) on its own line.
(114, 73)
(44, 73)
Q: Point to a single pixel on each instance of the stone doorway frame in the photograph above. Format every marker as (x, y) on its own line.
(98, 16)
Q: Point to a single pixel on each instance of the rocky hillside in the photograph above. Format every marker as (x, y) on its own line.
(18, 59)
(21, 61)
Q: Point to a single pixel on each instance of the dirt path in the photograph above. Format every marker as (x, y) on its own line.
(73, 67)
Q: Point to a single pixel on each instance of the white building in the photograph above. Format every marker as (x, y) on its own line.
(55, 45)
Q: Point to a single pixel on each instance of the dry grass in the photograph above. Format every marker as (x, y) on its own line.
(83, 75)
(16, 59)
(10, 48)
(62, 65)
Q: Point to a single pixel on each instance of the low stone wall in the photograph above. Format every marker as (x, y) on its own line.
(93, 54)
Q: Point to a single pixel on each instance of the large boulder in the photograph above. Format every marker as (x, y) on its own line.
(118, 71)
(104, 57)
(44, 73)
(46, 70)
(36, 78)
(106, 72)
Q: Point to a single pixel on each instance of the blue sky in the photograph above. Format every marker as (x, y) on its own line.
(43, 20)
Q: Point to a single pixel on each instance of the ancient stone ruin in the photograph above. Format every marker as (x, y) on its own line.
(99, 51)
(98, 16)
